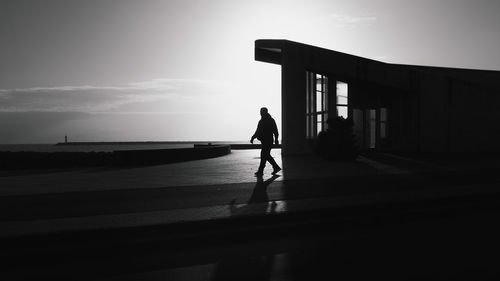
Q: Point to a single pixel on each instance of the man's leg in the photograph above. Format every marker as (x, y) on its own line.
(264, 156)
(276, 167)
(271, 160)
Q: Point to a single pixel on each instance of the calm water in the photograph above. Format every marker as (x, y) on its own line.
(94, 147)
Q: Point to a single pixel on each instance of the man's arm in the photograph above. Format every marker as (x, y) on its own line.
(276, 134)
(256, 133)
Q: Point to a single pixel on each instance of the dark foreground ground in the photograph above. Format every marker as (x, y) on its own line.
(398, 219)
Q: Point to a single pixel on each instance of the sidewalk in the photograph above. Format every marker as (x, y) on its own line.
(237, 167)
(213, 220)
(220, 188)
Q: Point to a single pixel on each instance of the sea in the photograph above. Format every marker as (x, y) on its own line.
(101, 146)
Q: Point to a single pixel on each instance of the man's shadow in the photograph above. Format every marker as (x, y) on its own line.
(252, 263)
(258, 202)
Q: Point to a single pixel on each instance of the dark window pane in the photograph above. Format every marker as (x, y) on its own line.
(383, 114)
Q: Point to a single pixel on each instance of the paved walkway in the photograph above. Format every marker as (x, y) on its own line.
(97, 198)
(237, 167)
(136, 217)
(55, 201)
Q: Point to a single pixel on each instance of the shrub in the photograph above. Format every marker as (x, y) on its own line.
(338, 141)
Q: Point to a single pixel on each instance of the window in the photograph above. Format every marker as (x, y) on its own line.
(383, 123)
(371, 121)
(342, 97)
(316, 104)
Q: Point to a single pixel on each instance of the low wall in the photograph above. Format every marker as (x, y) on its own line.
(41, 160)
(162, 156)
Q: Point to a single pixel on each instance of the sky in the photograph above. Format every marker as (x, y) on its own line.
(161, 70)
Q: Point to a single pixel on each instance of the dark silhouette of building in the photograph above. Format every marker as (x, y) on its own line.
(393, 107)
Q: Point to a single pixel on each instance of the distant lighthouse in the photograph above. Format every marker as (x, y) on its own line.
(66, 139)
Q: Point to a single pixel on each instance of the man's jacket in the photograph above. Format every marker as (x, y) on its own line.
(266, 129)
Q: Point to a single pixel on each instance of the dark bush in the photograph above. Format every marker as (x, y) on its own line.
(338, 141)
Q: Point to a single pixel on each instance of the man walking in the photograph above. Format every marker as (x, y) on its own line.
(266, 130)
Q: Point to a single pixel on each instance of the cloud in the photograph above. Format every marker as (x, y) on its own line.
(348, 21)
(89, 98)
(162, 84)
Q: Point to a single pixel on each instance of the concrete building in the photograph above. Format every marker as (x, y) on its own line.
(394, 107)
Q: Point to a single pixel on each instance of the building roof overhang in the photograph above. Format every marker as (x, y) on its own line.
(269, 50)
(275, 50)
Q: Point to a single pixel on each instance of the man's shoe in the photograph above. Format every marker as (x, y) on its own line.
(259, 174)
(276, 170)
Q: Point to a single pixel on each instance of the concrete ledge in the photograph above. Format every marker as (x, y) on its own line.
(37, 160)
(162, 156)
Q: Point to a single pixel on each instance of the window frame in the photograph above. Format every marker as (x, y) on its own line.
(317, 103)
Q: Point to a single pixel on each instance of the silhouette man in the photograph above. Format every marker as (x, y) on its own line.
(266, 130)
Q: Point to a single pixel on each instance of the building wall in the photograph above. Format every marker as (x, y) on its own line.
(458, 115)
(434, 113)
(403, 122)
(296, 59)
(475, 117)
(429, 109)
(293, 98)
